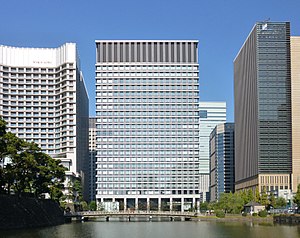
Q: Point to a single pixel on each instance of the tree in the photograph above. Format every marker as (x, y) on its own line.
(22, 164)
(280, 202)
(257, 195)
(93, 206)
(2, 139)
(204, 206)
(272, 200)
(84, 205)
(74, 192)
(243, 194)
(50, 175)
(250, 196)
(231, 203)
(212, 205)
(237, 203)
(29, 169)
(297, 196)
(77, 190)
(264, 197)
(224, 202)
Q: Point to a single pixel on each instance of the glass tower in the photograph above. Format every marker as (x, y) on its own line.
(210, 115)
(262, 88)
(147, 123)
(221, 160)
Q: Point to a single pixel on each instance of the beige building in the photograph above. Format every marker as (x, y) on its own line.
(295, 72)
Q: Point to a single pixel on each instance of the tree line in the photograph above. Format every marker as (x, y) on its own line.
(234, 202)
(24, 168)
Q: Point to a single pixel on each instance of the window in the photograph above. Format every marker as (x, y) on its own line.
(203, 114)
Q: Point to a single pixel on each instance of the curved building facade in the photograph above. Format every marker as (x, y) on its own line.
(40, 90)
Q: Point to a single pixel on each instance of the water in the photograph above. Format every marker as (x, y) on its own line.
(175, 229)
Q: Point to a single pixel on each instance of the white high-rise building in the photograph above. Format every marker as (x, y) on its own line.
(43, 99)
(147, 95)
(210, 115)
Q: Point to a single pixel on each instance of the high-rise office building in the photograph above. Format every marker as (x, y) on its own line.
(262, 89)
(295, 67)
(221, 160)
(43, 99)
(210, 115)
(92, 159)
(147, 123)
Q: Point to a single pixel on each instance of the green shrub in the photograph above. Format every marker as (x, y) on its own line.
(254, 214)
(220, 214)
(244, 214)
(263, 213)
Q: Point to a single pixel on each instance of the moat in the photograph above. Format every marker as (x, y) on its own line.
(165, 229)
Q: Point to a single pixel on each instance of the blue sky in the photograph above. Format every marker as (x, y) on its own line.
(221, 26)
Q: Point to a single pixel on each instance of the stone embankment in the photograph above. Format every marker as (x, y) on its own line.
(20, 212)
(287, 219)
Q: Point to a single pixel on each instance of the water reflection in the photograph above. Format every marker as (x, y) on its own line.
(159, 229)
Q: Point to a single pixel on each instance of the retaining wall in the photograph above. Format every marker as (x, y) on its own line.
(24, 212)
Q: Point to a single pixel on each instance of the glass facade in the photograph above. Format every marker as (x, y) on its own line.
(274, 97)
(147, 121)
(221, 160)
(262, 88)
(210, 115)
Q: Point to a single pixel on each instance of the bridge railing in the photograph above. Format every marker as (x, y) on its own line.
(138, 212)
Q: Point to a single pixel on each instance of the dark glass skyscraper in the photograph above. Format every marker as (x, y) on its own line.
(262, 89)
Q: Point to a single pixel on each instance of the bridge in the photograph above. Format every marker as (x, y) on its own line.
(85, 215)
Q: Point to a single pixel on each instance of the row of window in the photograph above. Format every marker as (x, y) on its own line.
(150, 146)
(36, 83)
(143, 81)
(30, 135)
(147, 126)
(146, 67)
(150, 159)
(154, 192)
(147, 74)
(36, 88)
(30, 97)
(156, 172)
(144, 89)
(177, 120)
(22, 69)
(147, 153)
(184, 98)
(169, 135)
(36, 119)
(145, 186)
(161, 166)
(147, 113)
(139, 94)
(61, 75)
(145, 179)
(148, 140)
